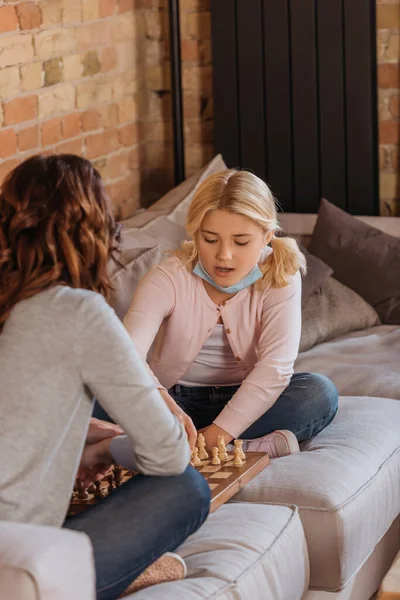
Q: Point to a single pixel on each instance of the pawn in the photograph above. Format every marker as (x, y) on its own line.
(195, 458)
(237, 461)
(215, 458)
(239, 444)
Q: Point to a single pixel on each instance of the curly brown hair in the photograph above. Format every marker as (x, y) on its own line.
(56, 228)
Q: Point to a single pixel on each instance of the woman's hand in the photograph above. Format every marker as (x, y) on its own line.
(96, 461)
(211, 434)
(182, 417)
(102, 430)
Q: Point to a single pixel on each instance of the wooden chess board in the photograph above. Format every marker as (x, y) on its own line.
(224, 480)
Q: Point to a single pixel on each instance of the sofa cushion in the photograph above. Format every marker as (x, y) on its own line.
(242, 551)
(362, 257)
(361, 363)
(133, 265)
(334, 310)
(346, 483)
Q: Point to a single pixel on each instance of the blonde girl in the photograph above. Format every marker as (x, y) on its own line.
(219, 323)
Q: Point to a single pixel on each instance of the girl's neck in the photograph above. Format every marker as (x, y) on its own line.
(215, 295)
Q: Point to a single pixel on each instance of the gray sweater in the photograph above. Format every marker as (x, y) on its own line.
(58, 349)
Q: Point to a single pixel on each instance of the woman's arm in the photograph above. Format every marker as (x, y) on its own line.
(277, 351)
(115, 373)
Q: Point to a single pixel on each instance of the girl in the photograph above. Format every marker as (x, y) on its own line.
(220, 321)
(60, 344)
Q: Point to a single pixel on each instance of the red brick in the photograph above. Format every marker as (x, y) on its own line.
(126, 5)
(28, 138)
(70, 147)
(100, 144)
(108, 59)
(135, 157)
(71, 125)
(388, 76)
(389, 132)
(117, 166)
(190, 50)
(20, 109)
(6, 167)
(8, 143)
(107, 8)
(128, 135)
(29, 14)
(8, 19)
(394, 106)
(51, 132)
(91, 120)
(109, 116)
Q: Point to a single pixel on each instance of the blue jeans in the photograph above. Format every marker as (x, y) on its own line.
(306, 406)
(138, 522)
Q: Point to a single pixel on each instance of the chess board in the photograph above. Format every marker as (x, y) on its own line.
(224, 480)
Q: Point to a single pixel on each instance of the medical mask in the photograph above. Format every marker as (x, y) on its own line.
(254, 275)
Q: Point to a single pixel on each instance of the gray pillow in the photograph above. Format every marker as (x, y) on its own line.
(362, 257)
(334, 310)
(317, 273)
(124, 279)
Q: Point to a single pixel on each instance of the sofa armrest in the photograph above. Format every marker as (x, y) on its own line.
(45, 563)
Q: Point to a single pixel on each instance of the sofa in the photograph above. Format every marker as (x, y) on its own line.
(323, 524)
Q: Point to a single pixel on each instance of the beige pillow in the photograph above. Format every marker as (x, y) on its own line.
(135, 264)
(334, 310)
(164, 223)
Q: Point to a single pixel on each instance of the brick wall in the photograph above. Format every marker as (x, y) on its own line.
(388, 22)
(69, 78)
(93, 77)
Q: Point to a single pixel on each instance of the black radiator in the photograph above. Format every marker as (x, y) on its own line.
(295, 96)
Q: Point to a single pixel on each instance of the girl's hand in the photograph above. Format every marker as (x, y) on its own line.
(182, 418)
(102, 430)
(211, 434)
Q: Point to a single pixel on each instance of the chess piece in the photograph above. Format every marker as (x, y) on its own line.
(239, 444)
(237, 461)
(201, 444)
(215, 458)
(99, 493)
(195, 457)
(117, 475)
(223, 456)
(82, 493)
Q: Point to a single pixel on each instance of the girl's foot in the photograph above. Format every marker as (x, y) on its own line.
(169, 567)
(278, 443)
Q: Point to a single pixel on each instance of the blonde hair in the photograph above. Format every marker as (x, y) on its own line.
(243, 193)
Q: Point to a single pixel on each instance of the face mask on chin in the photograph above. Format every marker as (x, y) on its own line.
(254, 275)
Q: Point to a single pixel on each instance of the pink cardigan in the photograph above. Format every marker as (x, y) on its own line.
(171, 315)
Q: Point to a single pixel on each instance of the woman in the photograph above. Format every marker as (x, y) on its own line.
(220, 322)
(61, 344)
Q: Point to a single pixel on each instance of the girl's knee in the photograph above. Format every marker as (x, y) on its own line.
(323, 392)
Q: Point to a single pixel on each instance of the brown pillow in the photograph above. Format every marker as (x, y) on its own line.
(362, 257)
(124, 279)
(334, 310)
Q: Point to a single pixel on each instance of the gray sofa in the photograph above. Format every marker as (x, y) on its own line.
(320, 525)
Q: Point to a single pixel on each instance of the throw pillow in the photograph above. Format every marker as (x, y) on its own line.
(334, 310)
(362, 258)
(163, 222)
(135, 264)
(317, 273)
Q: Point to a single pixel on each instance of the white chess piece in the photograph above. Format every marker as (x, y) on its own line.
(215, 458)
(239, 444)
(223, 456)
(201, 444)
(237, 461)
(195, 457)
